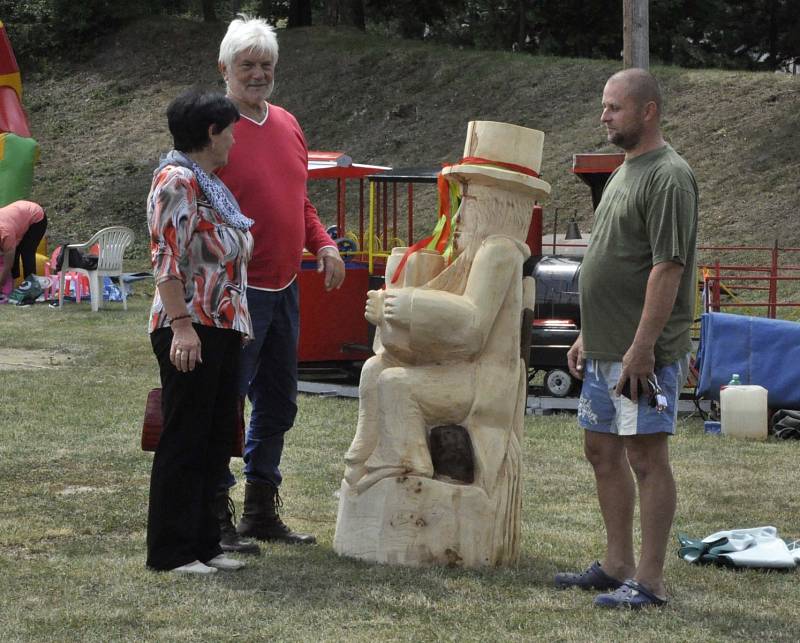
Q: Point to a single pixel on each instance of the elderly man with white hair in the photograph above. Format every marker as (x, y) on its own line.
(267, 171)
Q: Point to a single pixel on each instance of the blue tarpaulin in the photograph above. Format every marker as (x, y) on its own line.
(762, 351)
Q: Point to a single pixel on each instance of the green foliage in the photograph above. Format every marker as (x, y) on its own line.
(694, 33)
(43, 26)
(274, 11)
(579, 28)
(410, 17)
(768, 31)
(750, 34)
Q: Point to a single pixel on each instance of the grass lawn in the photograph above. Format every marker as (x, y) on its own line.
(72, 523)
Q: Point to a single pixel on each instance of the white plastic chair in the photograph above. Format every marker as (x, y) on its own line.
(112, 242)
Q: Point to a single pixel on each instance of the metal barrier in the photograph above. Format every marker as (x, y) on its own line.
(732, 279)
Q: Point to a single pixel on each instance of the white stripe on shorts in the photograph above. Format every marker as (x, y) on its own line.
(627, 416)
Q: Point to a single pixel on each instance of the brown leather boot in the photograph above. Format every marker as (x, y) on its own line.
(260, 519)
(229, 540)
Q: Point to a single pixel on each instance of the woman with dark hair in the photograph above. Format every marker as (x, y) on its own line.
(200, 246)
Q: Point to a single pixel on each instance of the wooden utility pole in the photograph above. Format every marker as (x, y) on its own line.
(636, 33)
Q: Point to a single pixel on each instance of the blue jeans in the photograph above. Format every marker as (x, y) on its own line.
(268, 376)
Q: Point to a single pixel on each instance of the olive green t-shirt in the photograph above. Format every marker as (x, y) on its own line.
(647, 215)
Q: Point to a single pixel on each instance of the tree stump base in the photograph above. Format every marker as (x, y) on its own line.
(416, 521)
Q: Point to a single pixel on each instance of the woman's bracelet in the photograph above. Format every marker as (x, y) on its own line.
(179, 317)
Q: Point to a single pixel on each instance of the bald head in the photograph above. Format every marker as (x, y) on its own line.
(632, 111)
(640, 85)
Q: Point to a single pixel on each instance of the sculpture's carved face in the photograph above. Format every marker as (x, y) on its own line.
(467, 220)
(487, 210)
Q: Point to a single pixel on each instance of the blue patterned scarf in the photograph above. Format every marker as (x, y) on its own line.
(217, 193)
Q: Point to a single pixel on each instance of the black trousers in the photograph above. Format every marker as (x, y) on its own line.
(199, 411)
(27, 249)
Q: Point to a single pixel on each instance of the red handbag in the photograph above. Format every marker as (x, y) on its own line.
(153, 423)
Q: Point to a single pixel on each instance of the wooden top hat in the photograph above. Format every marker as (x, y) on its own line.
(506, 144)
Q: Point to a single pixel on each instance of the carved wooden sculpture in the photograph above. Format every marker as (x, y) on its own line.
(433, 475)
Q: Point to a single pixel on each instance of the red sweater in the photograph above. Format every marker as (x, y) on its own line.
(267, 171)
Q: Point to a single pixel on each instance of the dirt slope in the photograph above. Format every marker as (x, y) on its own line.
(101, 123)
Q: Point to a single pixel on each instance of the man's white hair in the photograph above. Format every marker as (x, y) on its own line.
(248, 34)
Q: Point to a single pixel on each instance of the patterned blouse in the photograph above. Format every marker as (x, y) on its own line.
(189, 241)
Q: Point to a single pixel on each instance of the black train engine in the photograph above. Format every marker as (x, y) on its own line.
(556, 324)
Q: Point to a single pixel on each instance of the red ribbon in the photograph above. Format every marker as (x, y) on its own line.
(477, 160)
(444, 211)
(419, 245)
(444, 205)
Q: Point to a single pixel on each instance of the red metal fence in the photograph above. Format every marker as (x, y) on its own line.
(727, 283)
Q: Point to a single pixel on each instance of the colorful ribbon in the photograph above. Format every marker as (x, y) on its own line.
(442, 238)
(477, 160)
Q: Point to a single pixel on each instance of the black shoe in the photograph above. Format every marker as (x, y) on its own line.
(229, 539)
(278, 531)
(593, 578)
(630, 595)
(261, 520)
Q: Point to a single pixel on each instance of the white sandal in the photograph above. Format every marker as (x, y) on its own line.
(195, 567)
(224, 563)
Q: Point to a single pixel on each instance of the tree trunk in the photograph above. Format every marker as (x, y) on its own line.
(236, 6)
(331, 12)
(299, 13)
(522, 25)
(773, 34)
(209, 12)
(356, 13)
(345, 12)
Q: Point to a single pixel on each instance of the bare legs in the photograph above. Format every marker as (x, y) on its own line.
(649, 458)
(616, 460)
(616, 494)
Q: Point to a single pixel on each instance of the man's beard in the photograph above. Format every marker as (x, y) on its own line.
(625, 140)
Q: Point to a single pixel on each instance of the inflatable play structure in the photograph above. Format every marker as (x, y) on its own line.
(18, 151)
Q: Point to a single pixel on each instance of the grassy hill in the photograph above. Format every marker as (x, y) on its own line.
(101, 122)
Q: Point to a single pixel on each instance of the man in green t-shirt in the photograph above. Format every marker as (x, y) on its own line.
(637, 299)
